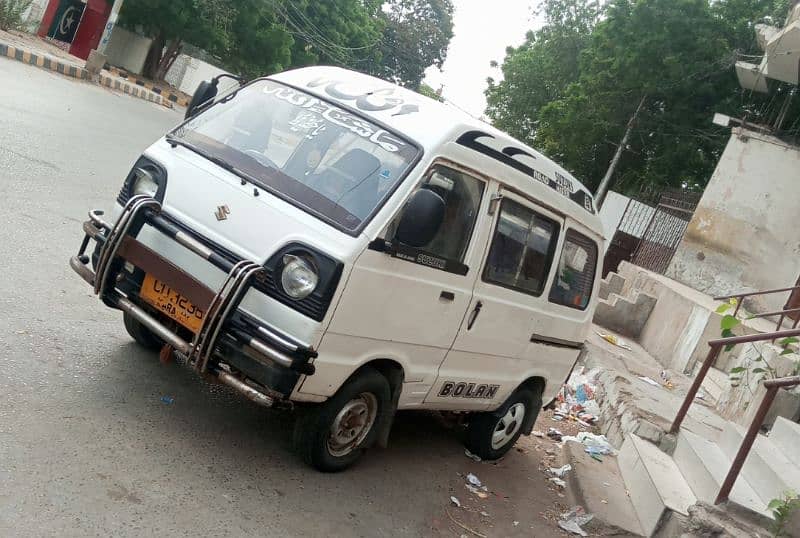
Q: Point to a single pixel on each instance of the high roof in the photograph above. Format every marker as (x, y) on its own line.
(414, 115)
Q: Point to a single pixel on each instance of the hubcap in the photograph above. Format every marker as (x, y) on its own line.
(508, 426)
(352, 424)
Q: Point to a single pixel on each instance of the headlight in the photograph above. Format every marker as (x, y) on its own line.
(144, 183)
(299, 277)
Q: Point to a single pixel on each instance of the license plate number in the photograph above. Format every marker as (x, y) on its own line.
(172, 303)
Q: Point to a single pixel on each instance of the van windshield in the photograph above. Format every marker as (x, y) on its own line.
(322, 158)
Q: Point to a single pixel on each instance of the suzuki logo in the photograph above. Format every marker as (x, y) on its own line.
(222, 212)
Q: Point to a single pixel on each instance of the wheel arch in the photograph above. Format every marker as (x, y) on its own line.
(537, 385)
(395, 374)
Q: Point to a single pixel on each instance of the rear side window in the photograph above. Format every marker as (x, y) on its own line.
(576, 269)
(522, 249)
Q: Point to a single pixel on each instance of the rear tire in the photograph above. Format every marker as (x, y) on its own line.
(331, 436)
(491, 435)
(141, 334)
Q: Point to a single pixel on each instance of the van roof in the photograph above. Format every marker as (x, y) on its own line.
(432, 124)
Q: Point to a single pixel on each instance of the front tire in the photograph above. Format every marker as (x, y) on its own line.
(141, 334)
(491, 435)
(331, 436)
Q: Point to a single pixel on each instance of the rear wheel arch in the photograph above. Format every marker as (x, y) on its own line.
(537, 385)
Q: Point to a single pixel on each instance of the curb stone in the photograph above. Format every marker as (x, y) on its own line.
(178, 98)
(50, 63)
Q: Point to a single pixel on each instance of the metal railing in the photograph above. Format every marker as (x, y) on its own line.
(782, 313)
(772, 386)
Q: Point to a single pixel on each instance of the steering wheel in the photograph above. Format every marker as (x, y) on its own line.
(261, 158)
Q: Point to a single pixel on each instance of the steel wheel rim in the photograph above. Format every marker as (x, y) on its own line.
(508, 426)
(352, 424)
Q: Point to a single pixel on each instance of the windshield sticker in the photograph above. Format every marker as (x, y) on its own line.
(560, 184)
(377, 100)
(338, 117)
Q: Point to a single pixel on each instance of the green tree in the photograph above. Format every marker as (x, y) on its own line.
(416, 36)
(676, 54)
(540, 70)
(260, 42)
(171, 23)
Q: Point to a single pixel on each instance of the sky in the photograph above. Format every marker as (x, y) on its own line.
(482, 31)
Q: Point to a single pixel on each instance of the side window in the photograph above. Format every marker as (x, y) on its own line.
(576, 270)
(462, 195)
(522, 249)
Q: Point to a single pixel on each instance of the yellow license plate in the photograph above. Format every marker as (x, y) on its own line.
(172, 303)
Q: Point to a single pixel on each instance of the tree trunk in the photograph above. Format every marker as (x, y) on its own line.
(173, 51)
(151, 63)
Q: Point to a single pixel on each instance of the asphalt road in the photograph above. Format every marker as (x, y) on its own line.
(88, 448)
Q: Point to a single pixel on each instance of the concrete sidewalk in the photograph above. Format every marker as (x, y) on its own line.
(39, 53)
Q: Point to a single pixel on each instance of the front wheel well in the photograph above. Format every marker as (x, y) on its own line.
(395, 375)
(536, 385)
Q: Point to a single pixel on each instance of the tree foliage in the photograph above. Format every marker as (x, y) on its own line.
(572, 87)
(395, 39)
(415, 37)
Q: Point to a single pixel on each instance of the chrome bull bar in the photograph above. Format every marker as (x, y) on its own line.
(201, 349)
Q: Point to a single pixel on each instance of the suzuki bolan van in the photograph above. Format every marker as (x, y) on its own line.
(327, 242)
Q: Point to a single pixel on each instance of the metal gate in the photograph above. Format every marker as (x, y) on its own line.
(651, 228)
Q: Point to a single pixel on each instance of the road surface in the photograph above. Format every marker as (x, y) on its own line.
(88, 447)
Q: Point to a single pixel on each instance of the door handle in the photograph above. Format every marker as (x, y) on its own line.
(447, 296)
(474, 315)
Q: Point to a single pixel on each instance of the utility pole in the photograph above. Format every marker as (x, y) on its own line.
(602, 190)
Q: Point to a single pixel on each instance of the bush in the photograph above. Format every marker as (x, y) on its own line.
(11, 13)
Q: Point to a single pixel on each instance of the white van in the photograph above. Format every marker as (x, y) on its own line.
(329, 242)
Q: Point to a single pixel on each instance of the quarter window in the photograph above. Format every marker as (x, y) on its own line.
(522, 249)
(576, 270)
(462, 195)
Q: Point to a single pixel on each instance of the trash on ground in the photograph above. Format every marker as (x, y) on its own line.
(558, 482)
(595, 444)
(553, 433)
(167, 399)
(473, 457)
(484, 514)
(649, 380)
(474, 480)
(700, 395)
(560, 471)
(603, 501)
(573, 520)
(614, 340)
(480, 493)
(537, 433)
(455, 501)
(516, 523)
(576, 399)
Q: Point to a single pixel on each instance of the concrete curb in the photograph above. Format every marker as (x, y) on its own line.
(178, 98)
(50, 63)
(43, 61)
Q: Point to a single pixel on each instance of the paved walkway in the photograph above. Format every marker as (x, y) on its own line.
(45, 55)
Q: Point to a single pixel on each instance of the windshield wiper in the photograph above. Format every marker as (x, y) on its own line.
(219, 161)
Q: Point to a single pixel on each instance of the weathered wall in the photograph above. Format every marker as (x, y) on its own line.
(745, 233)
(187, 72)
(127, 50)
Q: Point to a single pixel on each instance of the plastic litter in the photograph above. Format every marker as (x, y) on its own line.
(537, 433)
(473, 457)
(474, 480)
(558, 482)
(455, 501)
(167, 399)
(611, 339)
(595, 444)
(649, 380)
(484, 514)
(553, 433)
(573, 520)
(481, 494)
(559, 472)
(516, 523)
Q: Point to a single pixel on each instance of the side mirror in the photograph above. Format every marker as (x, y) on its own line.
(421, 220)
(205, 92)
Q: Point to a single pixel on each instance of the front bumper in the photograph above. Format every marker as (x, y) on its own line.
(232, 346)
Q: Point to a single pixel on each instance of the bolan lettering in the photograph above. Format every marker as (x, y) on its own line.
(447, 388)
(459, 390)
(470, 390)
